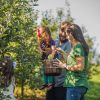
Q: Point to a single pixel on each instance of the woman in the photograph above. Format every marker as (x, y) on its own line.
(77, 64)
(47, 48)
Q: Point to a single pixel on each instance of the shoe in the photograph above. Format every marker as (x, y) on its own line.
(43, 86)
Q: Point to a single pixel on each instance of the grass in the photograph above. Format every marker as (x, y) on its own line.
(94, 91)
(92, 94)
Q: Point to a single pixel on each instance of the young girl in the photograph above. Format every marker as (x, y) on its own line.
(47, 48)
(7, 79)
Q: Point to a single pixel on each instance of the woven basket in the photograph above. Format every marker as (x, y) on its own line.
(50, 69)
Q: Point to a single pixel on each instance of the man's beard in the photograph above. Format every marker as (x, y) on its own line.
(62, 39)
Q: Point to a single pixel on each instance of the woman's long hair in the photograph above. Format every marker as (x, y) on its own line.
(76, 32)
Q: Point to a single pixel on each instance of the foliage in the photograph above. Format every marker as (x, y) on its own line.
(30, 94)
(18, 39)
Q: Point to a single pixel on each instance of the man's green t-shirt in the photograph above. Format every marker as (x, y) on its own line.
(76, 78)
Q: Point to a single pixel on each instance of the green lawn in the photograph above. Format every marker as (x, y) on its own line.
(94, 91)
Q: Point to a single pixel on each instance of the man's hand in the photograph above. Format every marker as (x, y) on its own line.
(63, 53)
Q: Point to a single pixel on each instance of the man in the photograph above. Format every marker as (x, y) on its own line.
(58, 92)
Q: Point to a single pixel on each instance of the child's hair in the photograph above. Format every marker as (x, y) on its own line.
(42, 36)
(6, 71)
(47, 30)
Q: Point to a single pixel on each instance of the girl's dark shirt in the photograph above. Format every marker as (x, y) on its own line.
(43, 46)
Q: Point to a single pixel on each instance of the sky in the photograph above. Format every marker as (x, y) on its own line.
(85, 12)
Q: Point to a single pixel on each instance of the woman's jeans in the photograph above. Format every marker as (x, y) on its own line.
(75, 93)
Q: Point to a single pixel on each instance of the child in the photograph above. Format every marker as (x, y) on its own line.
(47, 48)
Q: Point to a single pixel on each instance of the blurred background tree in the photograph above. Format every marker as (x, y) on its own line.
(18, 40)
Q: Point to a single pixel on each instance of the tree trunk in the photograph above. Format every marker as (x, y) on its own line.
(22, 90)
